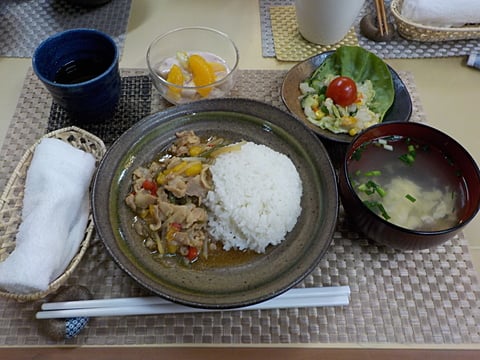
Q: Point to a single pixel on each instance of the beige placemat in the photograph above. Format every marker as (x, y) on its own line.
(397, 297)
(289, 43)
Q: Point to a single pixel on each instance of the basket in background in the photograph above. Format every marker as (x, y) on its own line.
(419, 32)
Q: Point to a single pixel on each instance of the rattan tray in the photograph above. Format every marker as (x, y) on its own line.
(12, 199)
(425, 33)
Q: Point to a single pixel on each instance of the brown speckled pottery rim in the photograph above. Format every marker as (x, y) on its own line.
(264, 277)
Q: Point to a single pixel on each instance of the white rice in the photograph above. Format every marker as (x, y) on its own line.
(256, 198)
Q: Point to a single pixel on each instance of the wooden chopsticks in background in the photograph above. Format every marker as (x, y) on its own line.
(381, 17)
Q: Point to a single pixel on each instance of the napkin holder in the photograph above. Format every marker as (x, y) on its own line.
(425, 33)
(11, 202)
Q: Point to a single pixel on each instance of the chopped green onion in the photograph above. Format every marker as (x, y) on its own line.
(370, 204)
(373, 173)
(383, 212)
(366, 189)
(408, 159)
(380, 191)
(357, 154)
(375, 205)
(371, 187)
(411, 198)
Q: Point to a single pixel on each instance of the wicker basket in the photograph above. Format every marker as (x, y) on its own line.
(425, 33)
(11, 202)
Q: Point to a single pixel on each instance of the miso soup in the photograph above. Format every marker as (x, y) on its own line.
(408, 183)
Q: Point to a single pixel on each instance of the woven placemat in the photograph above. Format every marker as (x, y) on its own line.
(25, 23)
(422, 297)
(397, 48)
(290, 44)
(135, 104)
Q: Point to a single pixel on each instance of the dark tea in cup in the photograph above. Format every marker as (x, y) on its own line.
(80, 69)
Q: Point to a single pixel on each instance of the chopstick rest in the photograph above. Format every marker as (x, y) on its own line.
(377, 28)
(59, 329)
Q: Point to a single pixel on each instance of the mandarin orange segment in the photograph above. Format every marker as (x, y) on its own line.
(202, 73)
(175, 76)
(217, 67)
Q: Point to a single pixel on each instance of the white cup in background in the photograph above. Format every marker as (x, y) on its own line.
(326, 22)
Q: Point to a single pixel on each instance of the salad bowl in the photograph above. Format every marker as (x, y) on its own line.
(400, 109)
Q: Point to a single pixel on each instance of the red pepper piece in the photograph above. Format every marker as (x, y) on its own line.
(150, 186)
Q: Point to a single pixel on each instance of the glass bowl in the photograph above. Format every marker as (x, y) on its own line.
(210, 76)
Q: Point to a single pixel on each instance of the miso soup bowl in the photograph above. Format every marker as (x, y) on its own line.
(374, 226)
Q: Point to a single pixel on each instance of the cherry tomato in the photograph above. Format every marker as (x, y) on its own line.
(192, 253)
(342, 90)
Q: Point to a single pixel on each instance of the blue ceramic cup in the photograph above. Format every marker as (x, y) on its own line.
(79, 67)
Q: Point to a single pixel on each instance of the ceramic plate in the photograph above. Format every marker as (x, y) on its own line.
(400, 110)
(259, 278)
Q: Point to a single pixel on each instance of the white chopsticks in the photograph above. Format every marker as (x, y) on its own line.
(293, 298)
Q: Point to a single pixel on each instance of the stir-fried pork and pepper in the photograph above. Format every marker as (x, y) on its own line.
(167, 195)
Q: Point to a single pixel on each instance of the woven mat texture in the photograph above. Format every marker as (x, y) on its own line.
(290, 45)
(422, 297)
(25, 23)
(398, 47)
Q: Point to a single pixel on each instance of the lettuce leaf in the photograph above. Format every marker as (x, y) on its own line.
(360, 65)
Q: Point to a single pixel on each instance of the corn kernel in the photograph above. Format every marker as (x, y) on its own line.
(348, 121)
(353, 131)
(319, 114)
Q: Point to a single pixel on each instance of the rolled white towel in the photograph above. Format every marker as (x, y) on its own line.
(442, 13)
(54, 217)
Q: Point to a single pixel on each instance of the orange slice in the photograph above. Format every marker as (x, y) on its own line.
(175, 76)
(202, 73)
(217, 67)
